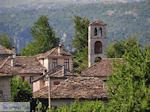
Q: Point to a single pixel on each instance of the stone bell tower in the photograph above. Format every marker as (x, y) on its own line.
(96, 41)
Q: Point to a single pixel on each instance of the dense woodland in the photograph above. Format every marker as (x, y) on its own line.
(123, 20)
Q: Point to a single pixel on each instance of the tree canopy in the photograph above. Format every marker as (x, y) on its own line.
(129, 85)
(20, 90)
(117, 49)
(5, 41)
(44, 38)
(80, 43)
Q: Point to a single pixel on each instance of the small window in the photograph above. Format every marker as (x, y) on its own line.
(56, 82)
(98, 47)
(101, 33)
(1, 92)
(95, 32)
(66, 63)
(31, 78)
(23, 78)
(54, 63)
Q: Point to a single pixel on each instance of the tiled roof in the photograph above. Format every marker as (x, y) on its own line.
(2, 61)
(100, 69)
(57, 72)
(54, 52)
(22, 65)
(75, 88)
(4, 50)
(97, 23)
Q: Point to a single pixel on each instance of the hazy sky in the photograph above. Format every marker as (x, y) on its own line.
(13, 3)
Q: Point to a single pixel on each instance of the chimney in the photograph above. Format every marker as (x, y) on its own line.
(13, 57)
(63, 70)
(59, 49)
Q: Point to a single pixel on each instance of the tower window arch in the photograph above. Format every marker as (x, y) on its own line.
(101, 32)
(95, 32)
(98, 47)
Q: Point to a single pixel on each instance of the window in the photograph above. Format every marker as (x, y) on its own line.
(98, 47)
(100, 29)
(66, 63)
(31, 78)
(1, 92)
(54, 63)
(56, 82)
(23, 78)
(95, 32)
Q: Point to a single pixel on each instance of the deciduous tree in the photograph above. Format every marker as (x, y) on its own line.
(80, 43)
(44, 38)
(129, 85)
(20, 90)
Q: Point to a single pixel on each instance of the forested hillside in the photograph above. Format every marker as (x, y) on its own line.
(123, 19)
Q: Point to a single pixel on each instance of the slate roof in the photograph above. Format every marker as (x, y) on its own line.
(75, 88)
(56, 73)
(4, 50)
(22, 65)
(98, 23)
(2, 60)
(54, 53)
(103, 68)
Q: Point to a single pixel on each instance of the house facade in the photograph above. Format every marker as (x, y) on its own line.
(5, 90)
(56, 56)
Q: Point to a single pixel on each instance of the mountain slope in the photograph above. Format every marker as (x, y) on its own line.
(123, 19)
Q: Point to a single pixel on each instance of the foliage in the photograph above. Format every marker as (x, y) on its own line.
(117, 49)
(40, 107)
(5, 41)
(87, 106)
(20, 90)
(80, 43)
(43, 38)
(129, 86)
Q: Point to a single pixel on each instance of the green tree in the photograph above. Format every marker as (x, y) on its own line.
(5, 41)
(20, 90)
(117, 49)
(129, 85)
(44, 38)
(80, 43)
(87, 106)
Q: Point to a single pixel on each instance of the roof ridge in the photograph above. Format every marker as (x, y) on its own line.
(100, 62)
(50, 51)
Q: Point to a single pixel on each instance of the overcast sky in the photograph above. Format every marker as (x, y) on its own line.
(13, 3)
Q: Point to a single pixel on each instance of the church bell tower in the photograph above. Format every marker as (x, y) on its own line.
(96, 42)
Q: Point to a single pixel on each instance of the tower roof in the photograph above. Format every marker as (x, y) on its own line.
(97, 23)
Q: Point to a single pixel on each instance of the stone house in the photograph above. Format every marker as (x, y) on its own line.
(74, 88)
(57, 75)
(56, 62)
(56, 56)
(28, 68)
(5, 89)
